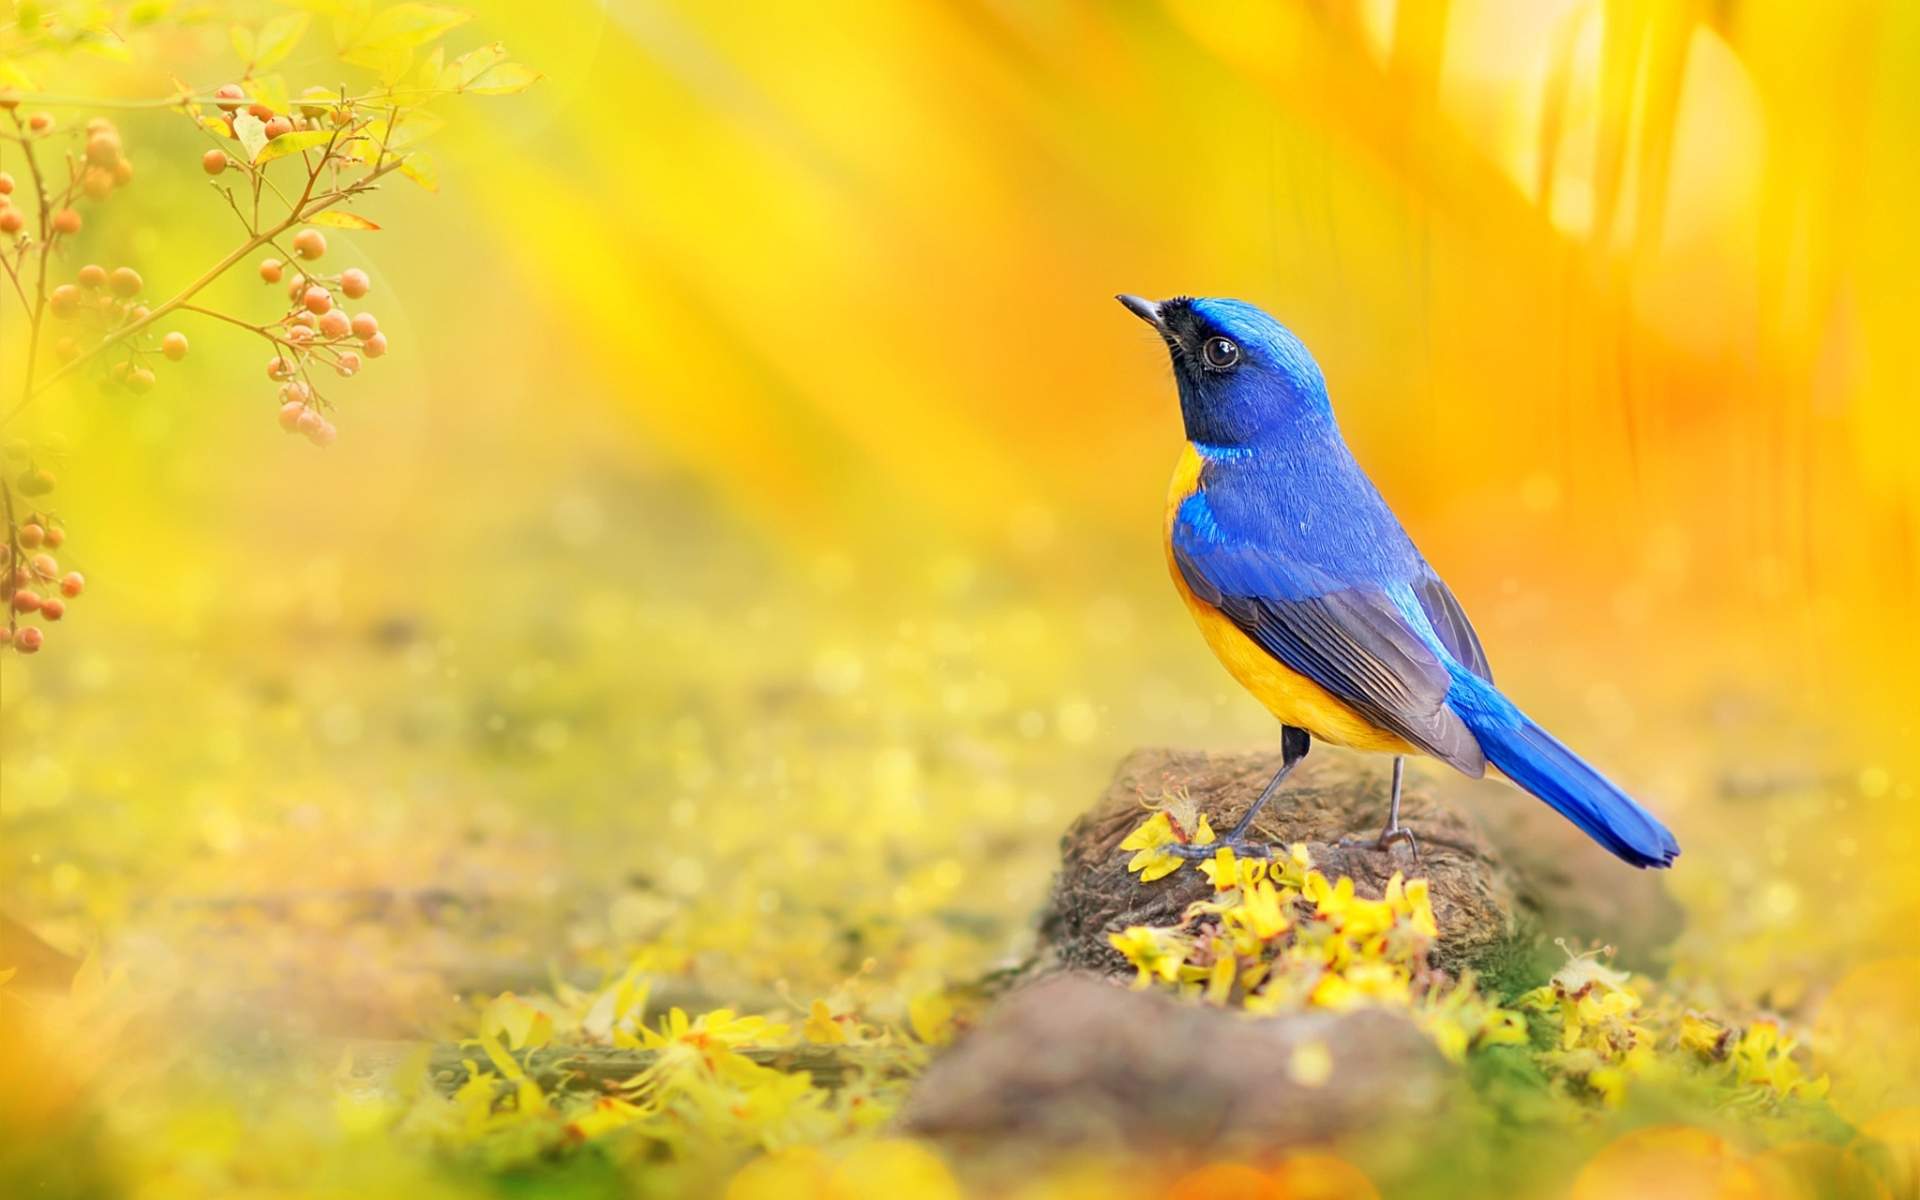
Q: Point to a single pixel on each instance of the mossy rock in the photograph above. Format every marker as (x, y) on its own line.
(1498, 899)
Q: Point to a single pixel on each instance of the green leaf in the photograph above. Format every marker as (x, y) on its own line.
(341, 220)
(279, 37)
(252, 133)
(504, 80)
(292, 143)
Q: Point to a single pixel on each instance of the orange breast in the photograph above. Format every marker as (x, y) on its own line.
(1292, 698)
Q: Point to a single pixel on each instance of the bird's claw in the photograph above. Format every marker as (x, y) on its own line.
(1240, 846)
(1385, 842)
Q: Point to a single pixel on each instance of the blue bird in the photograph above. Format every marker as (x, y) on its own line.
(1316, 601)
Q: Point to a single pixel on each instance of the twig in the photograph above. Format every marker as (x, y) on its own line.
(305, 211)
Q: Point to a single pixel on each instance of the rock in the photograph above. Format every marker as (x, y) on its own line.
(1569, 886)
(1476, 898)
(1073, 1059)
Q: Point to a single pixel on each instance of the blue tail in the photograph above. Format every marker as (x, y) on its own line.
(1535, 759)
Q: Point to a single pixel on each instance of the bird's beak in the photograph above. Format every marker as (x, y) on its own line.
(1146, 310)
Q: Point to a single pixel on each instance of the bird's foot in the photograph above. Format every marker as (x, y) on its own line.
(1385, 842)
(1241, 847)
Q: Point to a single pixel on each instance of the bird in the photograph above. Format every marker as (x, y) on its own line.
(1312, 595)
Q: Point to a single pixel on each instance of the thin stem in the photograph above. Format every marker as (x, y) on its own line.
(36, 308)
(302, 212)
(183, 99)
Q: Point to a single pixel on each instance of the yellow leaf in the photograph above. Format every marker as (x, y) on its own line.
(278, 38)
(931, 1015)
(503, 80)
(420, 170)
(292, 143)
(341, 220)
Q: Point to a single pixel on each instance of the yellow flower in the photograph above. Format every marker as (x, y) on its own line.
(1154, 953)
(821, 1029)
(1152, 859)
(1704, 1036)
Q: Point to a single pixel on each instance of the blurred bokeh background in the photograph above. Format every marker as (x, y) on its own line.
(754, 532)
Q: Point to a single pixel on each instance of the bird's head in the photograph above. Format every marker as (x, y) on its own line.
(1243, 377)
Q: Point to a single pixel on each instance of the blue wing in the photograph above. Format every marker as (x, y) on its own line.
(1350, 638)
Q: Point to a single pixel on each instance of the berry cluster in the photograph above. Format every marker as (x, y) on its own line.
(35, 585)
(95, 170)
(316, 331)
(103, 302)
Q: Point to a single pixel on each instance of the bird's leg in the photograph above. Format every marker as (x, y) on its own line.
(1294, 743)
(1395, 831)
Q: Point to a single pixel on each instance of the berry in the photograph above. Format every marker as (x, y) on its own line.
(11, 220)
(122, 173)
(301, 333)
(354, 282)
(73, 584)
(317, 300)
(290, 414)
(52, 610)
(66, 221)
(25, 601)
(323, 434)
(28, 640)
(296, 392)
(44, 565)
(66, 349)
(63, 300)
(140, 381)
(259, 111)
(40, 122)
(305, 319)
(229, 97)
(277, 127)
(308, 421)
(32, 534)
(335, 323)
(213, 161)
(138, 313)
(125, 281)
(309, 243)
(270, 270)
(55, 536)
(349, 363)
(174, 345)
(6, 183)
(103, 148)
(279, 368)
(375, 346)
(97, 183)
(365, 325)
(92, 275)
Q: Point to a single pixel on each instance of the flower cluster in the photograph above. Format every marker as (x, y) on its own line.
(719, 1081)
(1608, 1028)
(1278, 935)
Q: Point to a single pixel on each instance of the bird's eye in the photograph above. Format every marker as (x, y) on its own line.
(1220, 353)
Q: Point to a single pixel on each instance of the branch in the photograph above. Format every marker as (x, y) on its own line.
(300, 214)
